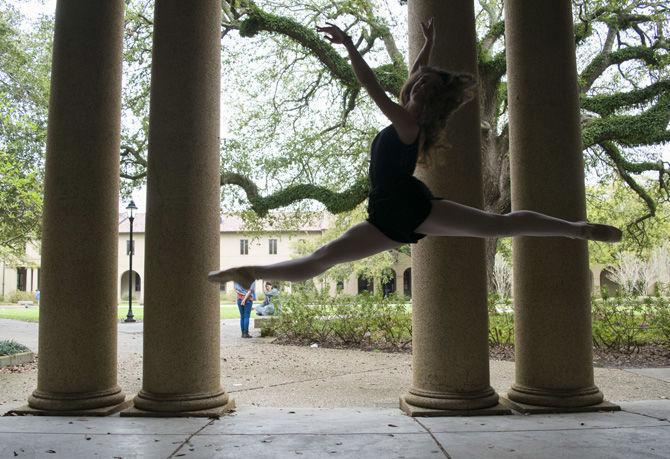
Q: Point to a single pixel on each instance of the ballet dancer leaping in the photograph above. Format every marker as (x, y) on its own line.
(401, 209)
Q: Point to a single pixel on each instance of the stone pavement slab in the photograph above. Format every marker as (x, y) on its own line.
(352, 445)
(619, 443)
(100, 426)
(287, 421)
(541, 422)
(624, 434)
(73, 446)
(346, 432)
(662, 374)
(658, 409)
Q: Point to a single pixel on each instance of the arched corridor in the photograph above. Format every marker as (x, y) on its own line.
(181, 347)
(135, 287)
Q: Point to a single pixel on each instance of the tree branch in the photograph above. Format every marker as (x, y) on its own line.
(496, 31)
(335, 202)
(648, 128)
(599, 64)
(623, 168)
(608, 104)
(258, 20)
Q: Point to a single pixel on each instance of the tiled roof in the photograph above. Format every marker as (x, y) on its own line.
(231, 223)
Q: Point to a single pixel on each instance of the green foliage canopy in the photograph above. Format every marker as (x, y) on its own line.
(24, 91)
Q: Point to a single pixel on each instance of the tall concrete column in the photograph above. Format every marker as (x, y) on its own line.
(551, 282)
(78, 307)
(450, 364)
(181, 308)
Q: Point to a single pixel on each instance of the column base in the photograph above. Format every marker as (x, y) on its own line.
(536, 409)
(214, 412)
(78, 401)
(199, 405)
(427, 403)
(27, 410)
(555, 398)
(420, 412)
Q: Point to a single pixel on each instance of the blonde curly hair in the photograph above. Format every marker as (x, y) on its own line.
(442, 100)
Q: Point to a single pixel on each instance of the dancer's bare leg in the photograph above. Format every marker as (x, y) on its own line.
(360, 241)
(448, 218)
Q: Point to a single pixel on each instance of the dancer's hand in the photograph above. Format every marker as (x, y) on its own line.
(428, 31)
(334, 34)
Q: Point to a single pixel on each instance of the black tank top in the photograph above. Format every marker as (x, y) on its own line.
(390, 160)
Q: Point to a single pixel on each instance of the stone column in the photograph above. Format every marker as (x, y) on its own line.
(450, 364)
(551, 283)
(78, 307)
(181, 308)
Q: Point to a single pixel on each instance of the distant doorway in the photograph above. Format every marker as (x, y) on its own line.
(365, 285)
(388, 282)
(407, 283)
(136, 283)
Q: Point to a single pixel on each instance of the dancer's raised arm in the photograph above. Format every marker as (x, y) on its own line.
(405, 124)
(424, 55)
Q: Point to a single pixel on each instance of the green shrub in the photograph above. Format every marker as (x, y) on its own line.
(370, 321)
(623, 323)
(362, 320)
(501, 320)
(18, 295)
(660, 321)
(9, 347)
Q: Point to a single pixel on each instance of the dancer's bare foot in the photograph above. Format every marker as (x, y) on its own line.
(603, 233)
(243, 276)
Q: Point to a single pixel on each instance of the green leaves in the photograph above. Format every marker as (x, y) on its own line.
(24, 87)
(612, 203)
(21, 204)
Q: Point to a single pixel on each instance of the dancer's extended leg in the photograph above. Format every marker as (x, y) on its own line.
(449, 218)
(360, 241)
(446, 218)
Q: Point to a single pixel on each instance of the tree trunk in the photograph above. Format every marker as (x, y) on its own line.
(495, 159)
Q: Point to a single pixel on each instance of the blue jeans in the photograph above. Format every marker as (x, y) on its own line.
(245, 313)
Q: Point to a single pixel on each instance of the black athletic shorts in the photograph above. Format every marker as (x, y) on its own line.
(397, 211)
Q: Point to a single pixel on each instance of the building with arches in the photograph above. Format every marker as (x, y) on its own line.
(240, 246)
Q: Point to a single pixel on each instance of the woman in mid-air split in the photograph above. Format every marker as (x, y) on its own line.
(401, 209)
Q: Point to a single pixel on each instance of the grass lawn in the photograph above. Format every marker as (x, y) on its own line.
(227, 311)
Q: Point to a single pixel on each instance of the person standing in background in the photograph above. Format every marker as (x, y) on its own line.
(245, 301)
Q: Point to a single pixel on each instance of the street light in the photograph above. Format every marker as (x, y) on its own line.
(130, 248)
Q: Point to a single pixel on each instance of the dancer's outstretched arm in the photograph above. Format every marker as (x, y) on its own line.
(424, 55)
(403, 122)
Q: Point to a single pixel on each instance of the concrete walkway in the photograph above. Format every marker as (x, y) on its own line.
(315, 402)
(641, 430)
(258, 373)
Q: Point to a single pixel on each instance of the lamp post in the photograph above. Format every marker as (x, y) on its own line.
(130, 249)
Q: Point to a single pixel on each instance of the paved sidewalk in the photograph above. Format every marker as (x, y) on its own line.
(641, 430)
(314, 402)
(258, 373)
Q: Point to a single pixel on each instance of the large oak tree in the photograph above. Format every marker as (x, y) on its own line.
(300, 126)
